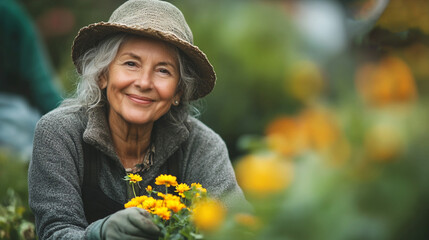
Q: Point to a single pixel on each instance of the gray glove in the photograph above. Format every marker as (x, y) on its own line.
(130, 223)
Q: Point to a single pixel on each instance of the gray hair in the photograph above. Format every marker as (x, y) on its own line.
(95, 62)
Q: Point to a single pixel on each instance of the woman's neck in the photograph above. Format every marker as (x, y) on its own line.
(131, 141)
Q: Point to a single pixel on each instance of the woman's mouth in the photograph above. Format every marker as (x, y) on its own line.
(140, 99)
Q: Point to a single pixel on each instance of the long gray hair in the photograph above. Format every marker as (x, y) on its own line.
(95, 62)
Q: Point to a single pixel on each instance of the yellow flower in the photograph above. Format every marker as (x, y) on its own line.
(149, 203)
(166, 180)
(264, 174)
(208, 215)
(141, 198)
(174, 205)
(131, 203)
(163, 212)
(181, 188)
(149, 188)
(160, 203)
(134, 202)
(199, 187)
(134, 178)
(171, 197)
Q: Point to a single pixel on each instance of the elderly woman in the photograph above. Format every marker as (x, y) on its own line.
(138, 74)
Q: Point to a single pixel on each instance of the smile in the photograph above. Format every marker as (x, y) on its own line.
(139, 99)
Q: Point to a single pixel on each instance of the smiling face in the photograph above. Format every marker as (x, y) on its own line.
(141, 81)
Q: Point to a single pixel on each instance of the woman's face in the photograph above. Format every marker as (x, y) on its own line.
(141, 81)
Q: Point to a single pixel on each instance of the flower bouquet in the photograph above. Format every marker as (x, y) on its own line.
(175, 215)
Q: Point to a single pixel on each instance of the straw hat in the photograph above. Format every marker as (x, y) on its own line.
(151, 18)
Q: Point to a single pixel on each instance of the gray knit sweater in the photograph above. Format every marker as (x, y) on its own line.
(56, 169)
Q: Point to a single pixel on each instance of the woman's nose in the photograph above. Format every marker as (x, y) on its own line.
(144, 81)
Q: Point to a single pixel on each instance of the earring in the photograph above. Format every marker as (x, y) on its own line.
(175, 103)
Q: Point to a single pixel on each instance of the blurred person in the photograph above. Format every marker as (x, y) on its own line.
(139, 73)
(27, 88)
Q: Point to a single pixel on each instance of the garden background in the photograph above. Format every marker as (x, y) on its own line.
(322, 105)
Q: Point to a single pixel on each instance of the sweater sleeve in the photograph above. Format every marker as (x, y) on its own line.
(208, 163)
(53, 180)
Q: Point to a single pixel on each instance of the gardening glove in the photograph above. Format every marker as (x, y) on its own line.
(130, 223)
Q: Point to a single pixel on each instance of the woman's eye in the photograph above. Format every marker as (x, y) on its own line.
(130, 64)
(165, 71)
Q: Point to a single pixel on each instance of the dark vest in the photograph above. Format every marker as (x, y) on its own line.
(96, 203)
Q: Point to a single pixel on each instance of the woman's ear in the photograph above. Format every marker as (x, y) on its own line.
(176, 98)
(102, 82)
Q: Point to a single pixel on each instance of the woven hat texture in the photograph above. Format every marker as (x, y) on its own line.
(151, 18)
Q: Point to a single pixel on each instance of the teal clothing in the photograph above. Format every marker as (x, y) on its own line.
(24, 69)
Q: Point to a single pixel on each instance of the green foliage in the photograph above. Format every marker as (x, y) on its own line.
(250, 45)
(13, 175)
(253, 47)
(16, 220)
(13, 224)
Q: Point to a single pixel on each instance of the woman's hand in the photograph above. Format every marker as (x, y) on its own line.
(130, 223)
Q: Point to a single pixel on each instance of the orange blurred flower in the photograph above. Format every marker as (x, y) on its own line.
(315, 129)
(321, 128)
(208, 215)
(247, 220)
(263, 174)
(385, 82)
(287, 136)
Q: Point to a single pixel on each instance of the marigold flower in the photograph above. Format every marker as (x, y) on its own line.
(167, 180)
(181, 188)
(388, 81)
(163, 212)
(264, 174)
(134, 178)
(141, 199)
(160, 203)
(160, 194)
(131, 203)
(149, 188)
(171, 197)
(287, 136)
(208, 215)
(199, 187)
(175, 205)
(321, 128)
(149, 203)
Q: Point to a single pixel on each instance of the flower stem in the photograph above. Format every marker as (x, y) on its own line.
(134, 191)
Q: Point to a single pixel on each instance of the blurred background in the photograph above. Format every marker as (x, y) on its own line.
(322, 105)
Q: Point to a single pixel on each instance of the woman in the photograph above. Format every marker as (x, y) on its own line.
(139, 71)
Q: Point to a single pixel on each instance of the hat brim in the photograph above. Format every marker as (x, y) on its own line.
(89, 36)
